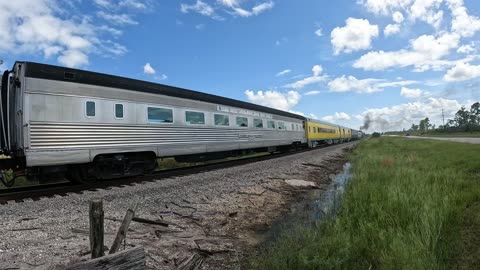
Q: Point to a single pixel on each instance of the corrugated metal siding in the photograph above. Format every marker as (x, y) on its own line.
(72, 136)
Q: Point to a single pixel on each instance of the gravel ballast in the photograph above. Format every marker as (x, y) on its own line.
(215, 214)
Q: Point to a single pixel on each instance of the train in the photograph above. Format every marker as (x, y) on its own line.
(85, 126)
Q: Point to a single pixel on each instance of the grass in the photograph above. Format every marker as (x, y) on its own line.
(412, 204)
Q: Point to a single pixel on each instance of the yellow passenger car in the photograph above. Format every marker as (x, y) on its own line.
(319, 132)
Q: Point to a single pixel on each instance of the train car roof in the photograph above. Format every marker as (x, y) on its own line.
(323, 122)
(51, 72)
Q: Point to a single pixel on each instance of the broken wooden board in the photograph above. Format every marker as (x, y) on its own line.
(130, 259)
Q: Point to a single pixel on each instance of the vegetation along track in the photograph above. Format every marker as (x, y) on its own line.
(19, 194)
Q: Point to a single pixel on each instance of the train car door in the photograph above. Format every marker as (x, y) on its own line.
(17, 107)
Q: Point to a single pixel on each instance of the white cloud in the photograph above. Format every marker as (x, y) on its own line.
(391, 29)
(201, 8)
(356, 35)
(234, 5)
(132, 4)
(411, 93)
(403, 115)
(148, 69)
(319, 32)
(118, 19)
(462, 72)
(43, 27)
(312, 93)
(423, 54)
(200, 26)
(313, 116)
(427, 11)
(398, 17)
(283, 72)
(350, 83)
(341, 116)
(274, 99)
(463, 23)
(316, 78)
(385, 7)
(466, 49)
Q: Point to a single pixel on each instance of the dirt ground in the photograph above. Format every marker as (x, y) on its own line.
(215, 218)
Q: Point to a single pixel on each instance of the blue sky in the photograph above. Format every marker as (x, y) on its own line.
(395, 61)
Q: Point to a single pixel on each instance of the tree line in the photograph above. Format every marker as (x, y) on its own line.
(465, 120)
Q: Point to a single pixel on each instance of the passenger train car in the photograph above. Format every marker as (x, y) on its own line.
(87, 125)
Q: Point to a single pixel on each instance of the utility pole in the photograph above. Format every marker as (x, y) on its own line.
(443, 118)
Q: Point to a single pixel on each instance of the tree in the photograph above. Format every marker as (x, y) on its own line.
(414, 127)
(475, 113)
(424, 124)
(462, 117)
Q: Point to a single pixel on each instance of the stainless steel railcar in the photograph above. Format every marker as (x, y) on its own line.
(84, 124)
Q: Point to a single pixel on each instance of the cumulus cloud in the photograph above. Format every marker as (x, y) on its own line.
(316, 78)
(356, 35)
(370, 85)
(274, 99)
(410, 93)
(43, 27)
(403, 115)
(148, 69)
(391, 29)
(463, 23)
(338, 116)
(283, 72)
(429, 11)
(466, 49)
(398, 17)
(462, 72)
(319, 32)
(424, 54)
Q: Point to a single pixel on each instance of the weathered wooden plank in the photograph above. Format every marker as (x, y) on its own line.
(130, 259)
(122, 231)
(96, 228)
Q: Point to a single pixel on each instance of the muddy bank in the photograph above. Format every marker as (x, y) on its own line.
(214, 214)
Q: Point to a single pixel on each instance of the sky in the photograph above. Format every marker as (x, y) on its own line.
(391, 61)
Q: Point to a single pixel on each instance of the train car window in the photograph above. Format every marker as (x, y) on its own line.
(242, 121)
(119, 111)
(314, 130)
(221, 120)
(159, 115)
(258, 123)
(270, 124)
(281, 125)
(194, 118)
(318, 129)
(293, 126)
(309, 129)
(90, 109)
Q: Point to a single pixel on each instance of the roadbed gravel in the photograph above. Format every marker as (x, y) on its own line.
(218, 215)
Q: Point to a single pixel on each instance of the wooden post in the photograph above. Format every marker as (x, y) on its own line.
(96, 228)
(122, 231)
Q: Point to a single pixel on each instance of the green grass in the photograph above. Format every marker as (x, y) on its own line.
(406, 208)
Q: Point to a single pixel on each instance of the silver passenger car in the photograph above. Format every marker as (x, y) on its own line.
(59, 116)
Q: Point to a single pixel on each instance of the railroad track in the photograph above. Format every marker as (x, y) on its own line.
(27, 193)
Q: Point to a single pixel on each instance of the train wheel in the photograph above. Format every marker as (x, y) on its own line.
(79, 173)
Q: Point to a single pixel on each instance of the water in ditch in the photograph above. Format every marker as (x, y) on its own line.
(313, 208)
